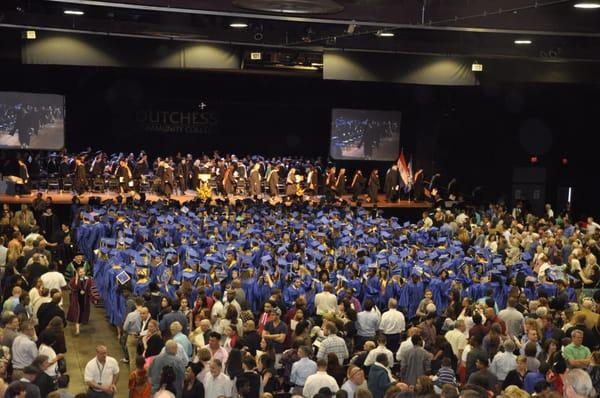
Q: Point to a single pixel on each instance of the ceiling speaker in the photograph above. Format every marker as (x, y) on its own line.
(294, 7)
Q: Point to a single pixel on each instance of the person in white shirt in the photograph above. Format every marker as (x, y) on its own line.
(102, 373)
(216, 383)
(407, 344)
(381, 348)
(53, 279)
(3, 254)
(218, 309)
(317, 381)
(591, 226)
(326, 301)
(392, 325)
(456, 337)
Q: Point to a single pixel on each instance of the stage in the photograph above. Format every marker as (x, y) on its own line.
(404, 209)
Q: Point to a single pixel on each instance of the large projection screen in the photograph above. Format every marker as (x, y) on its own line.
(364, 135)
(32, 121)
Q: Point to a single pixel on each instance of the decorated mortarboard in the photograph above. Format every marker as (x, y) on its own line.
(123, 277)
(184, 209)
(189, 274)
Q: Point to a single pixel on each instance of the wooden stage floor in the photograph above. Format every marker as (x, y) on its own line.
(64, 198)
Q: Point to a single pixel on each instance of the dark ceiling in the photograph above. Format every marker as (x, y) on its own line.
(455, 27)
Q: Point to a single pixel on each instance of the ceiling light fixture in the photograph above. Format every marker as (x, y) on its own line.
(73, 12)
(30, 34)
(238, 25)
(587, 5)
(382, 33)
(522, 41)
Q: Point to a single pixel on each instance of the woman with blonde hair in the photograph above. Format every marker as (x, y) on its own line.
(152, 342)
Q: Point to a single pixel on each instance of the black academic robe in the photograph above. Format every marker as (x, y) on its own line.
(340, 185)
(358, 185)
(124, 176)
(254, 180)
(392, 180)
(181, 173)
(167, 181)
(273, 181)
(373, 188)
(80, 179)
(313, 182)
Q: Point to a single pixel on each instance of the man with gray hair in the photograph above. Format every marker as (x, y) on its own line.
(504, 362)
(578, 384)
(216, 383)
(456, 337)
(168, 358)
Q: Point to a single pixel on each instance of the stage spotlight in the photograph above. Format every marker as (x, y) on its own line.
(30, 34)
(238, 25)
(256, 56)
(522, 42)
(73, 12)
(477, 67)
(382, 33)
(587, 5)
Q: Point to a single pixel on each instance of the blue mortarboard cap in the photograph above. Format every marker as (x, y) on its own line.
(190, 274)
(128, 241)
(526, 256)
(283, 262)
(105, 250)
(386, 235)
(282, 249)
(108, 242)
(205, 266)
(184, 209)
(266, 258)
(345, 240)
(393, 259)
(433, 256)
(322, 248)
(88, 217)
(383, 262)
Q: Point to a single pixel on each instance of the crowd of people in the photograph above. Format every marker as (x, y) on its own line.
(249, 176)
(256, 300)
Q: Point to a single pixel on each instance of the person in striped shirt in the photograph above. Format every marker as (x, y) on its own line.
(446, 374)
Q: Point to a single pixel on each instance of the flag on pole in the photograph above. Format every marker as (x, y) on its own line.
(411, 180)
(403, 168)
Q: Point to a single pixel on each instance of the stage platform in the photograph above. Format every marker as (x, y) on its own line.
(64, 198)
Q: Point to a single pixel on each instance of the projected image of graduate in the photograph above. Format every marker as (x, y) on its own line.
(364, 134)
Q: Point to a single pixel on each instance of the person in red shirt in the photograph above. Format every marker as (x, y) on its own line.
(265, 317)
(492, 317)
